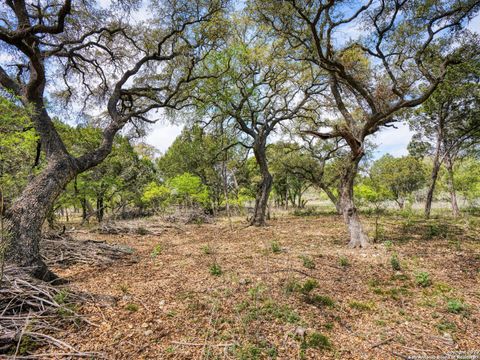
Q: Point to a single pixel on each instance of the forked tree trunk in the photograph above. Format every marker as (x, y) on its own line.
(358, 238)
(451, 186)
(264, 188)
(332, 198)
(27, 214)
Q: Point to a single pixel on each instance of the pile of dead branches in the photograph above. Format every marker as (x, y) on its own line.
(191, 216)
(30, 311)
(63, 250)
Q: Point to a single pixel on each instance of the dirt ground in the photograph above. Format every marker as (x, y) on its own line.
(291, 290)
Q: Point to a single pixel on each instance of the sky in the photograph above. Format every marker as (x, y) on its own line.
(390, 140)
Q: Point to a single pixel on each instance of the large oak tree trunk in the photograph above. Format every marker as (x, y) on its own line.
(263, 190)
(28, 213)
(358, 238)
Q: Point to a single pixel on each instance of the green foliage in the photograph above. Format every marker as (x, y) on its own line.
(361, 306)
(261, 350)
(343, 261)
(157, 250)
(396, 178)
(275, 247)
(307, 262)
(157, 196)
(395, 262)
(308, 286)
(422, 279)
(215, 269)
(18, 142)
(316, 340)
(438, 230)
(320, 300)
(132, 307)
(207, 250)
(61, 297)
(187, 189)
(456, 306)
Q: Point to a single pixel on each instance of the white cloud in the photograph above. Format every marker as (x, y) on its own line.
(393, 141)
(162, 135)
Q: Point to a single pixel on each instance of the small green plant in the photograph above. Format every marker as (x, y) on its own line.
(423, 279)
(207, 250)
(307, 262)
(444, 326)
(215, 269)
(132, 307)
(343, 261)
(456, 306)
(361, 306)
(388, 244)
(436, 230)
(157, 250)
(291, 286)
(256, 292)
(320, 300)
(275, 247)
(142, 231)
(61, 297)
(308, 286)
(395, 262)
(124, 288)
(316, 340)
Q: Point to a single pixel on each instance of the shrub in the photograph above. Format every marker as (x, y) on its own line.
(436, 230)
(423, 279)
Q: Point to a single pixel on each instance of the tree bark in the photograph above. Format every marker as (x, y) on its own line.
(358, 238)
(100, 208)
(263, 190)
(451, 186)
(436, 168)
(28, 213)
(332, 198)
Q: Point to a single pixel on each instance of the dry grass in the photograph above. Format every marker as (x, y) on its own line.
(261, 302)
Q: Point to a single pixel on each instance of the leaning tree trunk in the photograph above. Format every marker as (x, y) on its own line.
(263, 190)
(433, 182)
(28, 213)
(451, 186)
(358, 238)
(332, 198)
